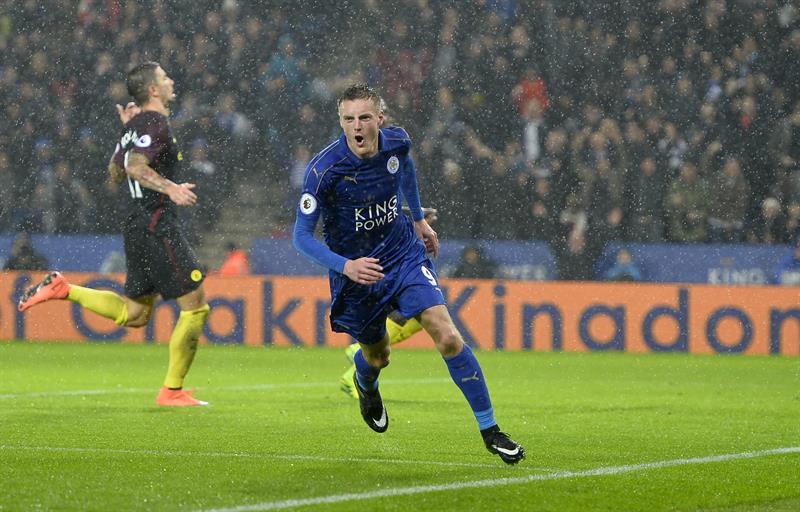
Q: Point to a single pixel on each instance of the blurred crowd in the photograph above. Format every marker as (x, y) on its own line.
(573, 122)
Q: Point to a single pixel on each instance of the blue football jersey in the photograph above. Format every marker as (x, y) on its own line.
(360, 201)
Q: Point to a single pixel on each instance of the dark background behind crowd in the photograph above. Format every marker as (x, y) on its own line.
(564, 121)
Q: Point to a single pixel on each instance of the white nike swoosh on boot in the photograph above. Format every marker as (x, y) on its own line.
(380, 423)
(507, 452)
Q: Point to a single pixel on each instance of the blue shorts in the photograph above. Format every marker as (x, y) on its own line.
(360, 310)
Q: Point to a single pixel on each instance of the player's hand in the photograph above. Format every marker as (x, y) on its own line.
(430, 214)
(428, 236)
(181, 194)
(127, 112)
(363, 270)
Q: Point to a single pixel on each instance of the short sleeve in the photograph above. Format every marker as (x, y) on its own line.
(153, 141)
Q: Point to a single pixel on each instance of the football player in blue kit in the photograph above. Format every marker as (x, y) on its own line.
(377, 257)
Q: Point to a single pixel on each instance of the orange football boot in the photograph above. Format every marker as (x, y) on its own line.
(177, 398)
(53, 286)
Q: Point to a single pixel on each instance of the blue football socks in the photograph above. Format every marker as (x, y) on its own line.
(366, 375)
(467, 374)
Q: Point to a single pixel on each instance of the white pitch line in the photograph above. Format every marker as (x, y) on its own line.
(496, 482)
(74, 392)
(250, 455)
(251, 387)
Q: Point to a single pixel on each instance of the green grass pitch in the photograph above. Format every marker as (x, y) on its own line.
(79, 430)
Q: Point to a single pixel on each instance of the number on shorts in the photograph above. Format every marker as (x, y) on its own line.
(428, 275)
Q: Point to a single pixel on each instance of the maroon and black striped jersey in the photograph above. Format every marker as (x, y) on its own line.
(148, 133)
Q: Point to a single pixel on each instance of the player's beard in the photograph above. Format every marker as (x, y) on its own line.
(169, 98)
(168, 101)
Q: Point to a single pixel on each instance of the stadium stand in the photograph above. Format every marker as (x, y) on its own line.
(568, 123)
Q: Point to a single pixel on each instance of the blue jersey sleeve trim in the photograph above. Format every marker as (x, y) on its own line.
(308, 245)
(410, 190)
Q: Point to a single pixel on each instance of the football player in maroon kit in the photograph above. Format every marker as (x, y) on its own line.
(160, 261)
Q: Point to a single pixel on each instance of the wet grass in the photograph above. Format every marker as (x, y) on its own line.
(79, 430)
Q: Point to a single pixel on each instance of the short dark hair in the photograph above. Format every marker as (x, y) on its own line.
(361, 91)
(139, 79)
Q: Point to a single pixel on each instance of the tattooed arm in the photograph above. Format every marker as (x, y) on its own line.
(138, 168)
